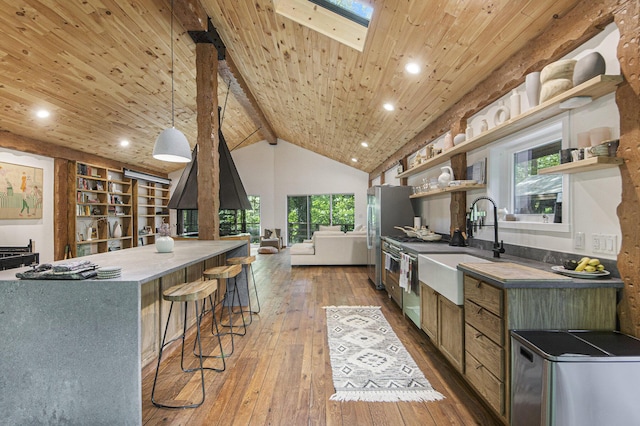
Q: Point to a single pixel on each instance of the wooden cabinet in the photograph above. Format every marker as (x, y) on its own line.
(442, 320)
(484, 340)
(101, 199)
(429, 312)
(151, 200)
(490, 312)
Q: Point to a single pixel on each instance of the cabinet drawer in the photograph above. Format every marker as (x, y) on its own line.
(483, 294)
(485, 351)
(485, 383)
(484, 321)
(393, 288)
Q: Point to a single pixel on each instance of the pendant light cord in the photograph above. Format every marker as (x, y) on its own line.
(172, 89)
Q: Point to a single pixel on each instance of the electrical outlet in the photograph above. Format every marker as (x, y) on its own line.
(578, 240)
(610, 244)
(604, 243)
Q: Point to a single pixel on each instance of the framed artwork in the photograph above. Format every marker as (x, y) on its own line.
(20, 192)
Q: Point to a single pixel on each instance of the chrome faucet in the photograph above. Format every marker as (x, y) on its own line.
(497, 247)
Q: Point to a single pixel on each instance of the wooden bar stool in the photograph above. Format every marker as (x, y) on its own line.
(228, 272)
(189, 292)
(246, 262)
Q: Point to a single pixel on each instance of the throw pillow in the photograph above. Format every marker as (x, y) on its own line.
(267, 250)
(329, 228)
(267, 233)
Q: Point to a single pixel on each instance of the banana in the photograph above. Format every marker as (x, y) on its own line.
(590, 268)
(583, 264)
(600, 267)
(594, 262)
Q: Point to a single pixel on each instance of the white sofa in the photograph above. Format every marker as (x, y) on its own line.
(331, 248)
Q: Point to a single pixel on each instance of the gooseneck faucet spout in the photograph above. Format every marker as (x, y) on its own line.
(498, 247)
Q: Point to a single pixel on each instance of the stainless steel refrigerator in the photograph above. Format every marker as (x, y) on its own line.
(387, 206)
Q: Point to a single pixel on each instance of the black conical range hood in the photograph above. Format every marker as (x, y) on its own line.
(232, 193)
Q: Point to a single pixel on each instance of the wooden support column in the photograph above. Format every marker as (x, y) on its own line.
(628, 101)
(63, 216)
(458, 203)
(208, 141)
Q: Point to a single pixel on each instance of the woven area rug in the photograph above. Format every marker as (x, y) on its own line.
(369, 362)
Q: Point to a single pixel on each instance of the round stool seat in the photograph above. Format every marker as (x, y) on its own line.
(246, 260)
(195, 290)
(228, 271)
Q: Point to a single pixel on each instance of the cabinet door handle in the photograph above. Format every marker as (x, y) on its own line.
(479, 310)
(479, 335)
(478, 367)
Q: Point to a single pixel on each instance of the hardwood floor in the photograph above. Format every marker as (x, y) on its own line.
(280, 372)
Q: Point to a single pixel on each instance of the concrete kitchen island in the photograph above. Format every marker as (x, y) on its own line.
(72, 350)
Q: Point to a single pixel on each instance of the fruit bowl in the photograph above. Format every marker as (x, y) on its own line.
(581, 274)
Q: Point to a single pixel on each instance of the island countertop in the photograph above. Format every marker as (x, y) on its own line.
(72, 349)
(143, 264)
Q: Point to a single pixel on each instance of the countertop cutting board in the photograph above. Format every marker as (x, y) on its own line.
(506, 271)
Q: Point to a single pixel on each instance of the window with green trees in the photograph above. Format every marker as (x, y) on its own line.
(231, 221)
(534, 193)
(305, 214)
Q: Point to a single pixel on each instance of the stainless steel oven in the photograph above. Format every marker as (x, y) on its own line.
(408, 298)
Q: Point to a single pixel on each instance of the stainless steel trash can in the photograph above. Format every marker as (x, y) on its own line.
(569, 378)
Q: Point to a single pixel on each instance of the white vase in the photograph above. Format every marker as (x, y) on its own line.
(164, 244)
(514, 101)
(532, 85)
(117, 230)
(448, 141)
(502, 114)
(468, 132)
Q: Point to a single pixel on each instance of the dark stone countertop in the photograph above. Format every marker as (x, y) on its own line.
(441, 247)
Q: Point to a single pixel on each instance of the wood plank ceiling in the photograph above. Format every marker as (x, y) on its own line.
(103, 67)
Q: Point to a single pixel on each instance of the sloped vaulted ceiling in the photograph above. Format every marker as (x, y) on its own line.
(103, 68)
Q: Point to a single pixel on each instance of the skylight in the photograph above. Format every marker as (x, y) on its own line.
(354, 10)
(346, 21)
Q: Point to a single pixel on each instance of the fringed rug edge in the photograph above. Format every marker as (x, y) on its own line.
(387, 396)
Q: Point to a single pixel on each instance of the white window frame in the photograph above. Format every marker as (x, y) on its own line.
(501, 160)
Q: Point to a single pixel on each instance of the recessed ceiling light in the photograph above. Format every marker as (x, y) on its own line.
(42, 113)
(412, 68)
(364, 144)
(355, 160)
(388, 107)
(124, 142)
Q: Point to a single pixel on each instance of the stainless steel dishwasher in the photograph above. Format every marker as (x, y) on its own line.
(567, 378)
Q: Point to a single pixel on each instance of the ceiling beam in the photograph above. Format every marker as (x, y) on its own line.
(194, 19)
(229, 73)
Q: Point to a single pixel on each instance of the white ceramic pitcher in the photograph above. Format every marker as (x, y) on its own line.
(445, 177)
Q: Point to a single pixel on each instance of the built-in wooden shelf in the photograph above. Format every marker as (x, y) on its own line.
(459, 188)
(586, 165)
(596, 88)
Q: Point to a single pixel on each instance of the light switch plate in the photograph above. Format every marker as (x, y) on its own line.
(578, 240)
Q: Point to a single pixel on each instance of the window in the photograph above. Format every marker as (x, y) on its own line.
(305, 214)
(532, 197)
(534, 193)
(240, 221)
(231, 221)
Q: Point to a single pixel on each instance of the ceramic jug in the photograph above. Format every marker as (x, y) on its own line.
(445, 177)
